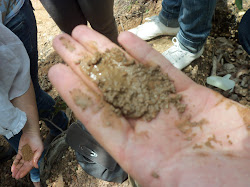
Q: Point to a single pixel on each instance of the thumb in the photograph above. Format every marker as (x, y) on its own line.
(36, 157)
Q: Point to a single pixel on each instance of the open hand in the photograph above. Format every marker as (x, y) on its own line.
(20, 166)
(207, 145)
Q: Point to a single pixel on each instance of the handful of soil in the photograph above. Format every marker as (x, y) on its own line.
(132, 89)
(27, 153)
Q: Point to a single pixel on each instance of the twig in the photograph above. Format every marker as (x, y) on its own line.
(121, 24)
(141, 17)
(215, 61)
(142, 9)
(44, 119)
(214, 69)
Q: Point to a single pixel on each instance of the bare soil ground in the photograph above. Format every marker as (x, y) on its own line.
(222, 46)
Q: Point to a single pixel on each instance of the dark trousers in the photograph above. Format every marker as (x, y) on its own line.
(244, 32)
(69, 13)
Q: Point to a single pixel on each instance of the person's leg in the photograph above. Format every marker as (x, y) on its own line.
(244, 31)
(166, 23)
(24, 26)
(66, 13)
(170, 12)
(100, 16)
(195, 23)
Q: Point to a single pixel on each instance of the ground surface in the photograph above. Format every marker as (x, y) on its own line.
(222, 46)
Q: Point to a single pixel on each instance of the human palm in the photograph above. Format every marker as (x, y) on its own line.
(20, 166)
(207, 145)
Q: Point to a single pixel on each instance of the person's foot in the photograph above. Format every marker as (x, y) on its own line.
(153, 28)
(6, 153)
(179, 57)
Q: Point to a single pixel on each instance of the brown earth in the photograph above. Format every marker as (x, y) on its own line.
(133, 90)
(222, 47)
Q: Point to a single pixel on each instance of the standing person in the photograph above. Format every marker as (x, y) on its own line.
(23, 24)
(18, 16)
(190, 20)
(69, 13)
(19, 121)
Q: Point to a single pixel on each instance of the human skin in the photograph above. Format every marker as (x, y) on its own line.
(30, 136)
(162, 152)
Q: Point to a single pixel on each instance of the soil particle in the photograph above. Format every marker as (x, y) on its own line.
(209, 141)
(196, 146)
(203, 154)
(67, 44)
(230, 142)
(230, 155)
(134, 90)
(81, 99)
(186, 126)
(27, 153)
(155, 175)
(245, 114)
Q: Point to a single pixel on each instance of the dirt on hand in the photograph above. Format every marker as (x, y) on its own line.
(27, 153)
(134, 90)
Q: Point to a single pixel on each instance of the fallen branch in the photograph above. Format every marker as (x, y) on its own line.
(121, 24)
(44, 119)
(215, 62)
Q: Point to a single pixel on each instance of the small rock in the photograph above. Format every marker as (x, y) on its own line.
(241, 91)
(248, 98)
(244, 82)
(194, 71)
(234, 97)
(243, 102)
(241, 13)
(229, 67)
(188, 69)
(51, 38)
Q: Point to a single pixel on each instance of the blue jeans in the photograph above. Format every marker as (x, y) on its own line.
(24, 26)
(244, 31)
(194, 18)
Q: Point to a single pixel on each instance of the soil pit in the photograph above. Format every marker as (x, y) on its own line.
(27, 153)
(133, 90)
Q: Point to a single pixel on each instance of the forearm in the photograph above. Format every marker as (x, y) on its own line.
(27, 103)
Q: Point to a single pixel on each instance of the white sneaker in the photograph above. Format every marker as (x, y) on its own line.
(153, 28)
(178, 57)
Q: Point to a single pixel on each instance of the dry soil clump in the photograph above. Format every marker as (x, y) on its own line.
(27, 153)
